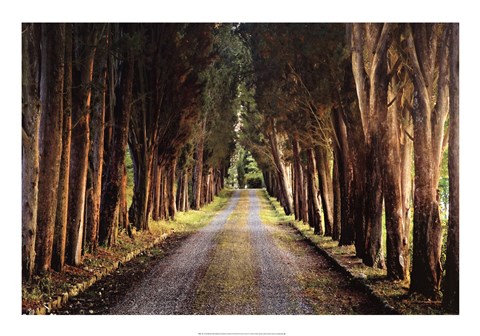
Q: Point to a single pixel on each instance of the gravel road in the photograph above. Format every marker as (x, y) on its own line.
(170, 286)
(280, 292)
(238, 265)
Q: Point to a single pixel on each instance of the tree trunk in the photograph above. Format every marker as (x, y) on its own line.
(407, 180)
(157, 182)
(96, 156)
(397, 234)
(185, 201)
(314, 213)
(164, 195)
(286, 196)
(116, 155)
(325, 181)
(372, 102)
(142, 164)
(198, 170)
(349, 106)
(31, 110)
(61, 220)
(180, 191)
(84, 46)
(451, 293)
(301, 207)
(51, 96)
(123, 222)
(172, 208)
(345, 178)
(428, 124)
(337, 211)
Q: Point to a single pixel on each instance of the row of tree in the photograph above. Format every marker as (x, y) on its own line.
(90, 91)
(352, 120)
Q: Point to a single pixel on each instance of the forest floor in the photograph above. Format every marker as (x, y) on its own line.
(248, 260)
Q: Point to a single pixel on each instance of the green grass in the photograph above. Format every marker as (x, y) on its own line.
(271, 211)
(192, 220)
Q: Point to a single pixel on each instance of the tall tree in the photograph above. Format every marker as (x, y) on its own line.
(31, 111)
(116, 154)
(427, 48)
(373, 103)
(153, 71)
(325, 185)
(51, 96)
(314, 215)
(84, 47)
(97, 135)
(451, 294)
(390, 149)
(59, 243)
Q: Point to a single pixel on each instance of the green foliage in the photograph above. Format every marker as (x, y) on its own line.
(219, 104)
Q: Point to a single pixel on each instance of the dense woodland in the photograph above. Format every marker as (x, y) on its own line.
(349, 125)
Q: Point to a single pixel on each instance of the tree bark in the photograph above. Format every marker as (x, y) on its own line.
(198, 170)
(116, 156)
(96, 154)
(314, 213)
(345, 178)
(286, 195)
(337, 211)
(301, 206)
(157, 182)
(123, 222)
(31, 110)
(451, 293)
(84, 46)
(185, 200)
(51, 96)
(61, 220)
(349, 107)
(428, 117)
(142, 163)
(325, 185)
(397, 235)
(172, 208)
(372, 102)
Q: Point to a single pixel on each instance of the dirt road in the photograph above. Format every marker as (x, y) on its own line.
(239, 265)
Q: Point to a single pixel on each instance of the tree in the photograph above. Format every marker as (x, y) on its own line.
(61, 220)
(97, 134)
(116, 155)
(51, 97)
(151, 84)
(373, 103)
(451, 295)
(427, 48)
(85, 41)
(31, 111)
